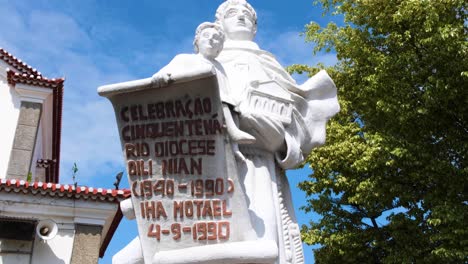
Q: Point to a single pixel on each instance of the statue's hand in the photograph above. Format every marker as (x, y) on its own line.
(161, 79)
(269, 132)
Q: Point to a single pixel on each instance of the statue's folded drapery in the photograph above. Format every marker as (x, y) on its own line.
(279, 145)
(315, 102)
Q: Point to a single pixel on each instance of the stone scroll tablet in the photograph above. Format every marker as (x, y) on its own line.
(181, 170)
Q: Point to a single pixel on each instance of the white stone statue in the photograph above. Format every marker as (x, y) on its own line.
(273, 122)
(286, 119)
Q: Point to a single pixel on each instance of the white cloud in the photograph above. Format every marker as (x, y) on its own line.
(55, 32)
(91, 140)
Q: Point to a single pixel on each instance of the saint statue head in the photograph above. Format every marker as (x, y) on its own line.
(238, 19)
(209, 40)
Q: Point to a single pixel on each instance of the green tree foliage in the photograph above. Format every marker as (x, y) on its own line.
(391, 181)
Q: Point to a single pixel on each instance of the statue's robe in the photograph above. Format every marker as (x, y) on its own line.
(267, 189)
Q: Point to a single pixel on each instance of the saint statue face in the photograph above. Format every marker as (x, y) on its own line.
(238, 23)
(210, 43)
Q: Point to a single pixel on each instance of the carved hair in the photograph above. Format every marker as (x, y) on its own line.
(224, 6)
(204, 26)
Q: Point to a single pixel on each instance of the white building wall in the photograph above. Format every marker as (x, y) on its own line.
(66, 213)
(43, 147)
(46, 127)
(16, 258)
(56, 250)
(15, 251)
(9, 112)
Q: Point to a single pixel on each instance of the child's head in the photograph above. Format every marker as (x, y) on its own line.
(209, 40)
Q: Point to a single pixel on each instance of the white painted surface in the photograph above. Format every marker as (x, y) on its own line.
(43, 147)
(34, 94)
(15, 251)
(46, 128)
(38, 173)
(10, 103)
(221, 253)
(16, 258)
(126, 206)
(9, 111)
(66, 213)
(54, 251)
(131, 254)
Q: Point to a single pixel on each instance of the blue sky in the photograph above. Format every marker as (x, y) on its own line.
(92, 43)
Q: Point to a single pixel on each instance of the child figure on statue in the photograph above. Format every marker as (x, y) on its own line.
(208, 43)
(209, 40)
